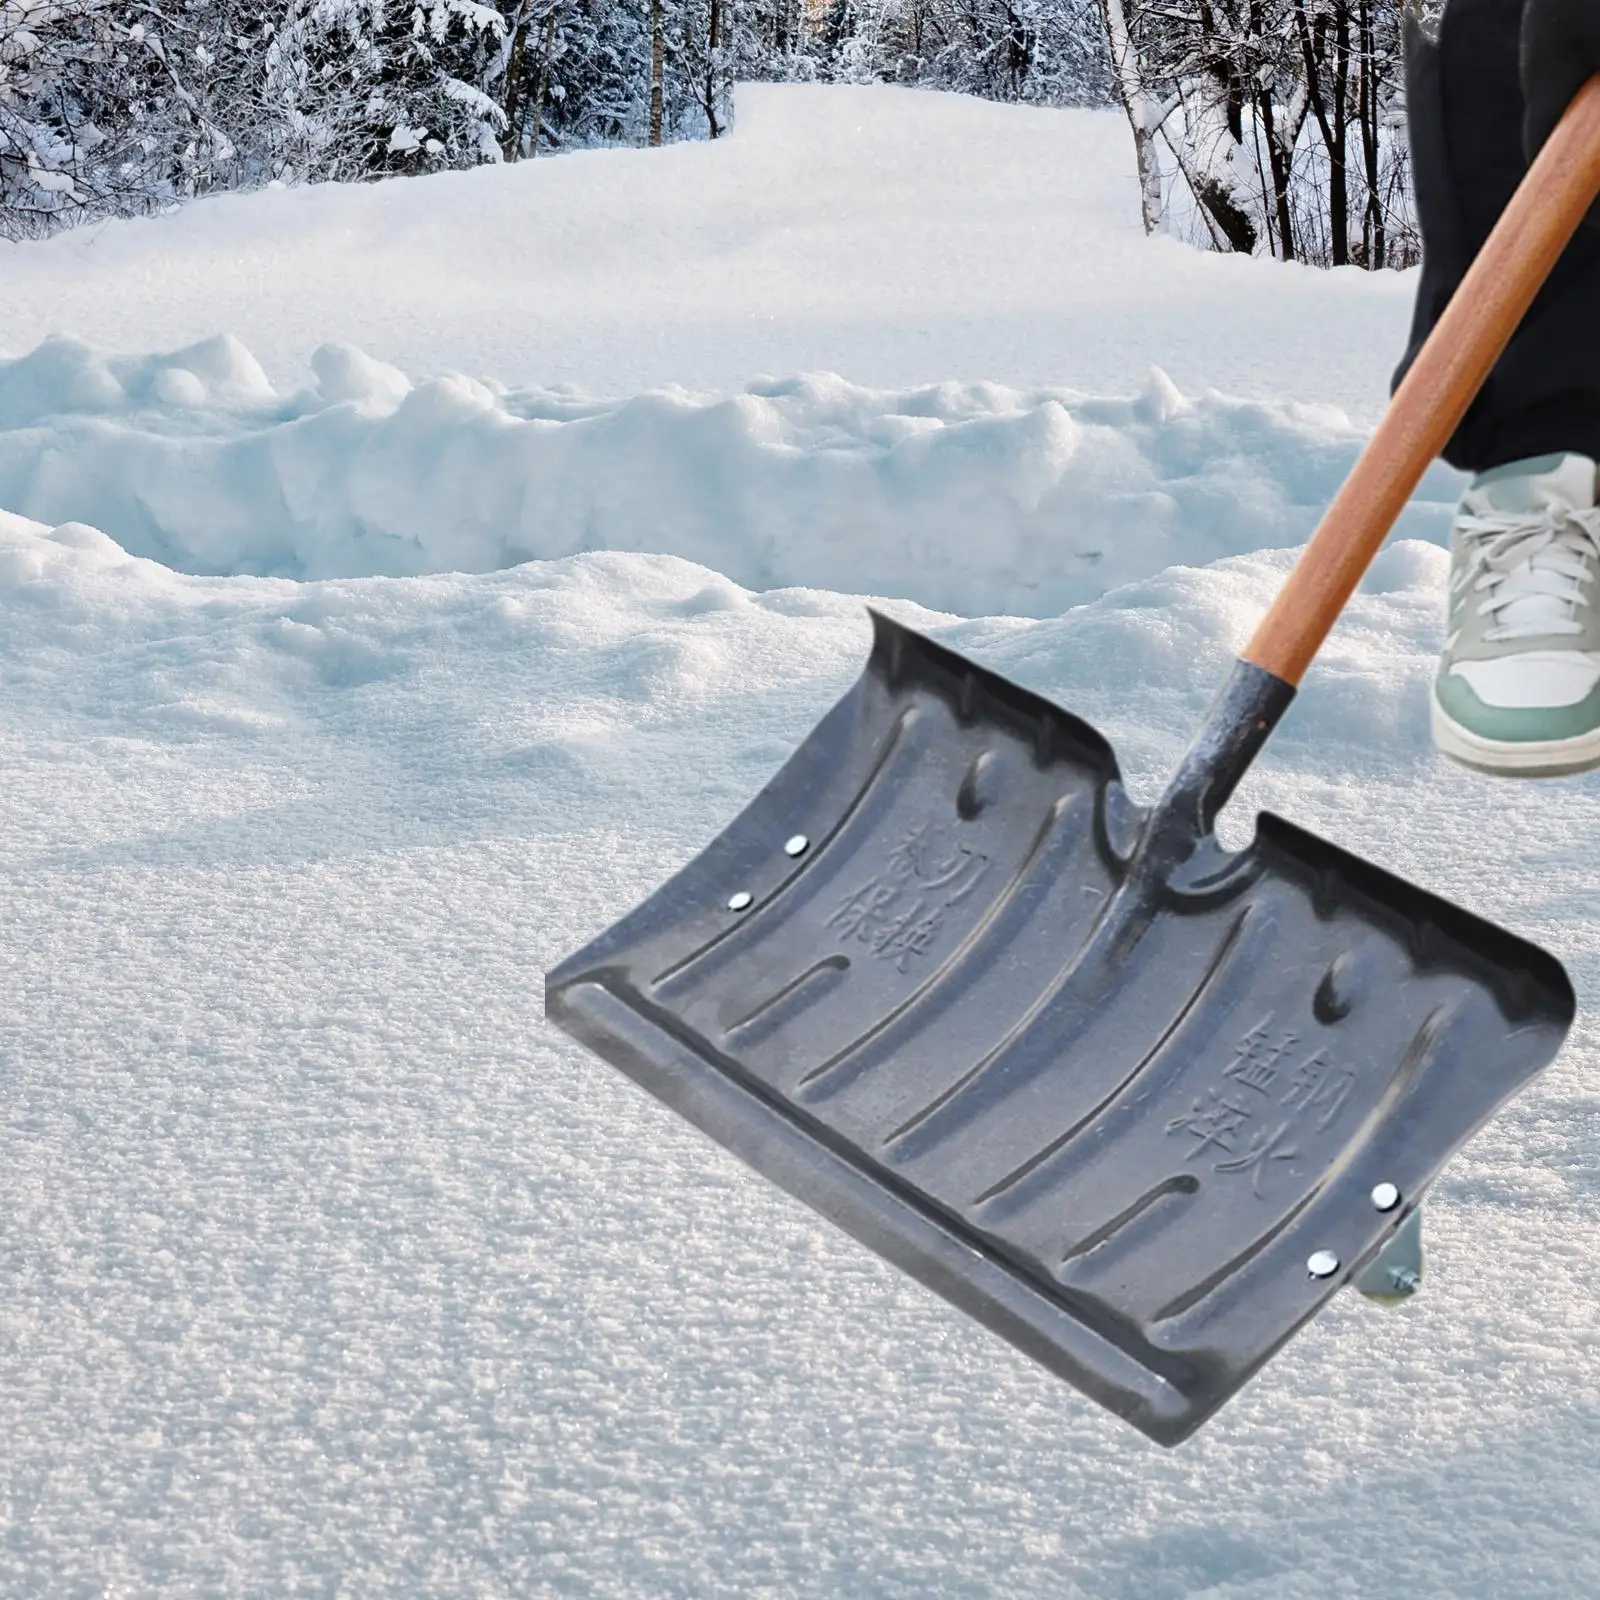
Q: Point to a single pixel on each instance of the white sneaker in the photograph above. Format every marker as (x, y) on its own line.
(1518, 688)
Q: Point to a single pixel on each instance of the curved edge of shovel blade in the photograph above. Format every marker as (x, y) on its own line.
(1119, 1147)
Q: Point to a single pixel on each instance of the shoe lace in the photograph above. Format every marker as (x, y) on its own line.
(1531, 567)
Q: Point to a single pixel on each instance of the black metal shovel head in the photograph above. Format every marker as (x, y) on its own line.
(1130, 1146)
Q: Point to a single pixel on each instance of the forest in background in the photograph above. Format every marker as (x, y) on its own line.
(1264, 126)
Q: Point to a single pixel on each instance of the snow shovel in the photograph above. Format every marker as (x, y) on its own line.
(1138, 1103)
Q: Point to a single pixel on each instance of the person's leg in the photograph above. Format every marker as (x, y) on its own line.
(1465, 116)
(1518, 687)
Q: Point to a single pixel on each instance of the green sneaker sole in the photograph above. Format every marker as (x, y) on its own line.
(1519, 758)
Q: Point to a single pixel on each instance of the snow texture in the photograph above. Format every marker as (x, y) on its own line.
(190, 457)
(898, 237)
(327, 1268)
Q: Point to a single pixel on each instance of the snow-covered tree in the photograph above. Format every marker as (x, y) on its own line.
(117, 106)
(50, 53)
(1281, 120)
(362, 88)
(1046, 52)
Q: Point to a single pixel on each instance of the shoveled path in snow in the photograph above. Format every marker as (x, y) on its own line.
(328, 1268)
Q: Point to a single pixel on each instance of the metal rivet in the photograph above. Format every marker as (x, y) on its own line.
(797, 846)
(1385, 1197)
(1323, 1264)
(741, 901)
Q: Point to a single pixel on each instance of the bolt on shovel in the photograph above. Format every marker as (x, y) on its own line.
(1138, 1103)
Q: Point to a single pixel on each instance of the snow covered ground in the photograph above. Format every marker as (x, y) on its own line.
(896, 237)
(326, 1267)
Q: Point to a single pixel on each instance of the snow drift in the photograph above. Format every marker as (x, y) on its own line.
(965, 497)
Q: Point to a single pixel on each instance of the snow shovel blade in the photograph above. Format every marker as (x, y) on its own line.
(1126, 1097)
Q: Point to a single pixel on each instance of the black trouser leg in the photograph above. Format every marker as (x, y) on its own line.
(1464, 104)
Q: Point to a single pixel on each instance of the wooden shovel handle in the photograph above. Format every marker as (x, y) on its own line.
(1428, 406)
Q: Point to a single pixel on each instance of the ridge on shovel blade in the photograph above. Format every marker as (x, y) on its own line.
(925, 983)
